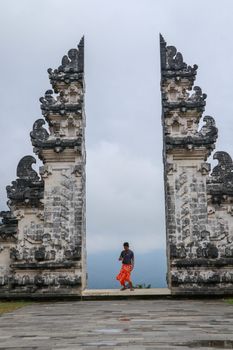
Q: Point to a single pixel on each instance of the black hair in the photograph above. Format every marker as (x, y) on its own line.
(126, 244)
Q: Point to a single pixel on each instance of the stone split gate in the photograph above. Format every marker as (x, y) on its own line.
(43, 236)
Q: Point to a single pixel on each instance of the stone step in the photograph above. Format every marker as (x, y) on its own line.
(118, 294)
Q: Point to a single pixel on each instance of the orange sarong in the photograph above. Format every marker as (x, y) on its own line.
(124, 275)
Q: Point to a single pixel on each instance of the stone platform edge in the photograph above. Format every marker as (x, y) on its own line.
(115, 294)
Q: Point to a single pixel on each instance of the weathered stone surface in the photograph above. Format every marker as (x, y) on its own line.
(8, 226)
(71, 69)
(43, 235)
(44, 232)
(27, 189)
(119, 324)
(199, 217)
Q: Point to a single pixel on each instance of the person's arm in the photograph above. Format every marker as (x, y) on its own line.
(121, 257)
(132, 261)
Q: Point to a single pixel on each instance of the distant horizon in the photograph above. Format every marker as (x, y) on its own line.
(150, 269)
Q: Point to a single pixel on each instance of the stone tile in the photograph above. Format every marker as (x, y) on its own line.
(123, 324)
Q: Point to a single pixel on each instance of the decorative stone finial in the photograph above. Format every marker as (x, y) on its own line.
(183, 104)
(220, 183)
(172, 63)
(224, 169)
(71, 68)
(27, 188)
(209, 130)
(38, 133)
(178, 79)
(24, 169)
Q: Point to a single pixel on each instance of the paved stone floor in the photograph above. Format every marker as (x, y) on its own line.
(120, 325)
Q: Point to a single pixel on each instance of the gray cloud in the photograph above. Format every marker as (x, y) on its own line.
(124, 143)
(124, 192)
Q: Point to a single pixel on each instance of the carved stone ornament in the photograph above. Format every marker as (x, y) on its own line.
(78, 170)
(209, 130)
(48, 99)
(73, 61)
(71, 68)
(204, 168)
(62, 105)
(42, 236)
(208, 251)
(224, 170)
(197, 95)
(220, 183)
(45, 171)
(8, 226)
(27, 188)
(172, 63)
(38, 133)
(174, 59)
(171, 168)
(24, 169)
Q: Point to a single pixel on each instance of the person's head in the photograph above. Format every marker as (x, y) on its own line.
(126, 246)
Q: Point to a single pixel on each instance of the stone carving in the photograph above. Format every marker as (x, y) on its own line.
(174, 59)
(64, 105)
(229, 251)
(204, 168)
(67, 106)
(44, 230)
(24, 169)
(70, 62)
(197, 95)
(176, 96)
(14, 254)
(45, 171)
(40, 254)
(43, 281)
(67, 82)
(177, 251)
(27, 188)
(208, 250)
(71, 69)
(198, 205)
(38, 133)
(220, 183)
(48, 99)
(224, 170)
(73, 61)
(78, 170)
(209, 130)
(8, 226)
(172, 63)
(171, 167)
(207, 136)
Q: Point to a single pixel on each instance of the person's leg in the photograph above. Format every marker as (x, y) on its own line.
(129, 279)
(131, 285)
(123, 287)
(121, 278)
(122, 282)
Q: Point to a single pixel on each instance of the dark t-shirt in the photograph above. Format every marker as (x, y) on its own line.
(127, 256)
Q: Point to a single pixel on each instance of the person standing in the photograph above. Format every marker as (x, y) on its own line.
(127, 258)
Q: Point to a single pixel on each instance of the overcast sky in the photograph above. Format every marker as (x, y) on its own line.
(123, 108)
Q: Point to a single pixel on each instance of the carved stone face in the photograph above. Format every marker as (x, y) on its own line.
(73, 54)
